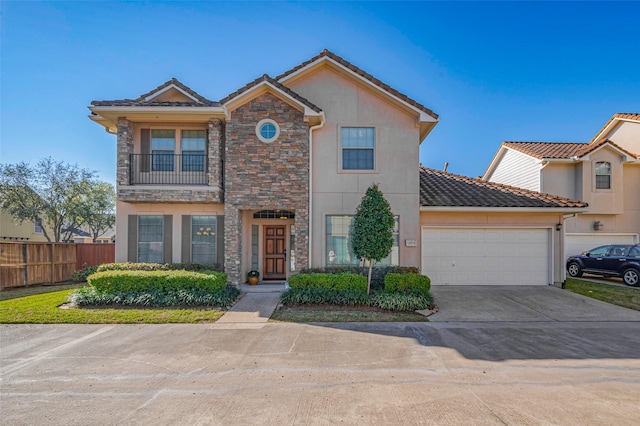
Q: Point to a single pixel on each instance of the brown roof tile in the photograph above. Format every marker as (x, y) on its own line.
(277, 84)
(547, 149)
(595, 145)
(363, 74)
(440, 189)
(140, 101)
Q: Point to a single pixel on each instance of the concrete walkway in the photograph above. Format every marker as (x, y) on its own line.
(254, 309)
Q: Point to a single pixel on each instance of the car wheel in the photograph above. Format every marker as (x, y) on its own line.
(574, 270)
(631, 277)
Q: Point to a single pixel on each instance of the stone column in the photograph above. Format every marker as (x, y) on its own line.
(124, 149)
(232, 244)
(214, 160)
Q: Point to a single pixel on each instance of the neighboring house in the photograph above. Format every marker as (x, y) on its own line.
(269, 177)
(605, 173)
(12, 230)
(481, 233)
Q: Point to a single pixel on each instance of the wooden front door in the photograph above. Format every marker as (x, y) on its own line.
(275, 252)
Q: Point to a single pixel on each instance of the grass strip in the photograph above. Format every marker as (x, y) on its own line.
(627, 297)
(44, 309)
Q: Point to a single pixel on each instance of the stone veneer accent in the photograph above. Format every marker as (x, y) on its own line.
(261, 175)
(212, 193)
(125, 135)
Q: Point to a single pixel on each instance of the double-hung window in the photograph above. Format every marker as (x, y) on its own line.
(150, 239)
(193, 144)
(203, 239)
(338, 245)
(603, 175)
(358, 146)
(163, 143)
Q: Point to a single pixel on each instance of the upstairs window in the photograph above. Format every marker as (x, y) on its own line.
(603, 175)
(358, 145)
(37, 226)
(163, 143)
(193, 144)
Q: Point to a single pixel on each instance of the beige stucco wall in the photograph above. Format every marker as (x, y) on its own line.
(559, 179)
(351, 104)
(176, 210)
(12, 229)
(505, 220)
(627, 136)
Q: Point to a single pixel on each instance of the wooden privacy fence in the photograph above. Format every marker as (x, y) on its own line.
(23, 264)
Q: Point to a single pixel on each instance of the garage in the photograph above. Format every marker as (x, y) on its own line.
(577, 243)
(474, 232)
(487, 256)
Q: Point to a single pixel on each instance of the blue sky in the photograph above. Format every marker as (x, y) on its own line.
(493, 71)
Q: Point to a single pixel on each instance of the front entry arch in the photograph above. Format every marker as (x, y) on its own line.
(275, 252)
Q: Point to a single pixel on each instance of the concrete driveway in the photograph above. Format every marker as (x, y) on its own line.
(508, 369)
(523, 304)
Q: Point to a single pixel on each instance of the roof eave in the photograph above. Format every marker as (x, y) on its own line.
(505, 209)
(108, 116)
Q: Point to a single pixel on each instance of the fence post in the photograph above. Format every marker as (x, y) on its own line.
(52, 272)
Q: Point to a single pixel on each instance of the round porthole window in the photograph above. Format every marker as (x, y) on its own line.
(267, 130)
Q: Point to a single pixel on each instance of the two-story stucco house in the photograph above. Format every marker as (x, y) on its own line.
(605, 173)
(268, 177)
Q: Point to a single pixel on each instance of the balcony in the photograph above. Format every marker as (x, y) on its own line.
(168, 169)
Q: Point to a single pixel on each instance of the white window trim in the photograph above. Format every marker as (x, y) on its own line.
(375, 149)
(263, 122)
(595, 176)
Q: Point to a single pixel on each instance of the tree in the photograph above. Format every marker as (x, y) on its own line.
(96, 211)
(372, 232)
(50, 192)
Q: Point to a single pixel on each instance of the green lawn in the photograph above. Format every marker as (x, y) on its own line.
(627, 297)
(43, 309)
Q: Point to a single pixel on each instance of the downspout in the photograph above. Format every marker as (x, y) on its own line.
(311, 129)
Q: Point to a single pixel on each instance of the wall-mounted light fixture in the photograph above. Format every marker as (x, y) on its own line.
(558, 226)
(597, 225)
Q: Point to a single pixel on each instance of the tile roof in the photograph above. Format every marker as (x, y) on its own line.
(593, 146)
(542, 150)
(440, 189)
(140, 101)
(275, 83)
(365, 75)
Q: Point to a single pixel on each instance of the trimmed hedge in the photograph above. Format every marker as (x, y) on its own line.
(115, 281)
(133, 266)
(339, 282)
(324, 296)
(402, 283)
(377, 274)
(403, 301)
(88, 295)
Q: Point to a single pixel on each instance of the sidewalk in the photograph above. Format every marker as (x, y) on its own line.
(254, 309)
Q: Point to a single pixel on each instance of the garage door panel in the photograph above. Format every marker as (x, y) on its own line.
(486, 256)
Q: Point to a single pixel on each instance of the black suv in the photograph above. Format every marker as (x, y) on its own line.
(609, 261)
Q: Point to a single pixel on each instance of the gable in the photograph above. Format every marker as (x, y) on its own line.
(171, 94)
(296, 78)
(626, 134)
(516, 169)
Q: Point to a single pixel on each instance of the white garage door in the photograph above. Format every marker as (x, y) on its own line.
(486, 256)
(577, 243)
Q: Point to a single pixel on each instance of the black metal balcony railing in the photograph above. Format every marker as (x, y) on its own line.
(169, 169)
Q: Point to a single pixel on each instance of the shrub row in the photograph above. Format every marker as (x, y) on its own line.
(389, 301)
(377, 274)
(133, 266)
(340, 282)
(403, 283)
(115, 281)
(89, 295)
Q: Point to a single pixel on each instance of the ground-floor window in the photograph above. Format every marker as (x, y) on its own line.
(204, 232)
(338, 246)
(150, 239)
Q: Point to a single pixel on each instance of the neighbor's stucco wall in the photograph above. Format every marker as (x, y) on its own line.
(336, 192)
(11, 229)
(176, 210)
(560, 179)
(627, 136)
